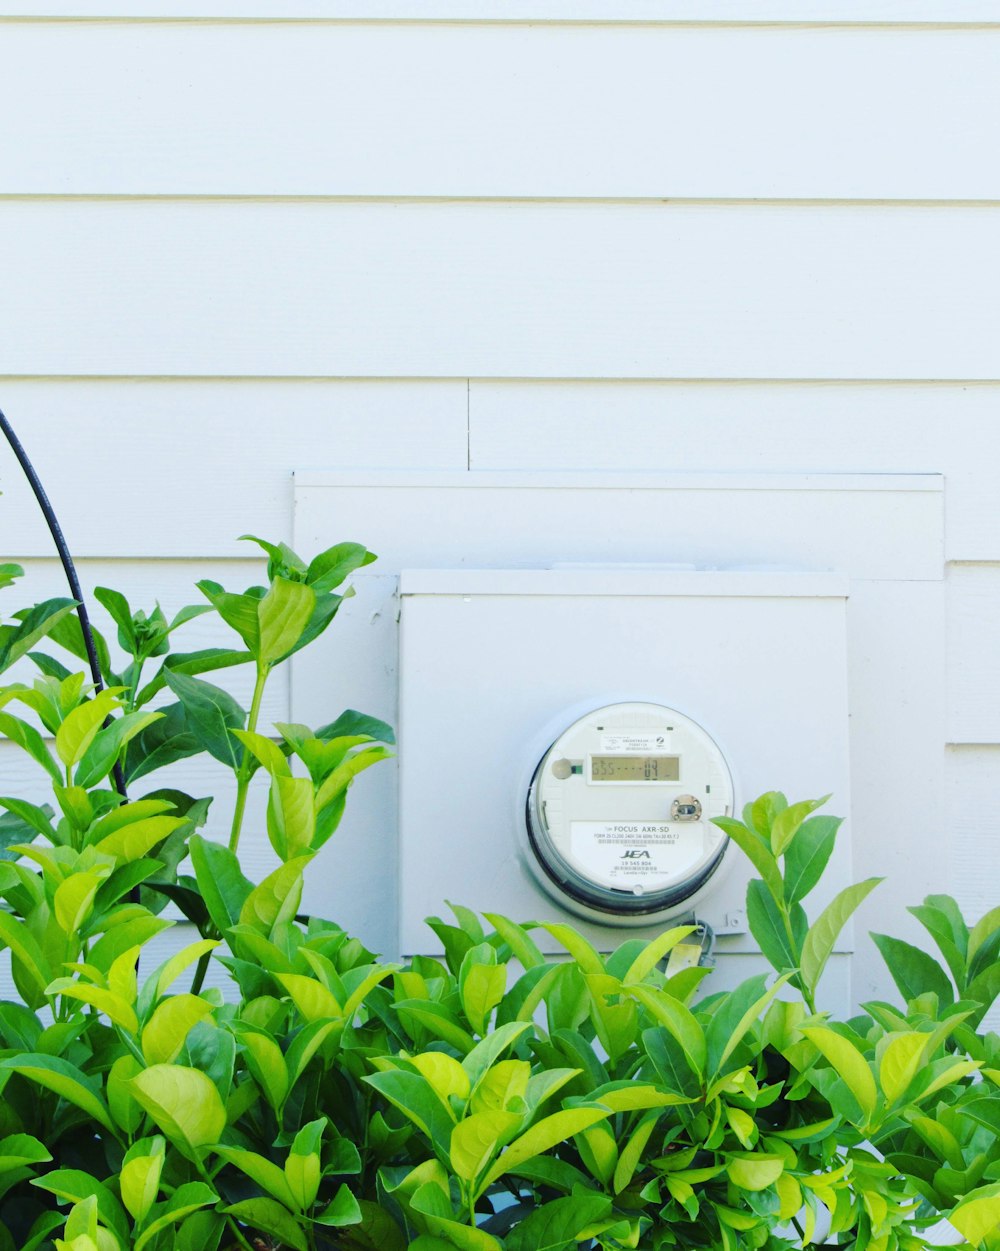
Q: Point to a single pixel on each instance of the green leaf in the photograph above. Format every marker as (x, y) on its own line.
(186, 1200)
(237, 611)
(542, 1136)
(330, 568)
(823, 934)
(731, 1023)
(206, 660)
(17, 1150)
(671, 1062)
(350, 723)
(759, 856)
(786, 823)
(808, 855)
(266, 1063)
(983, 929)
(100, 757)
(552, 1226)
(169, 1026)
(978, 1214)
(161, 743)
(900, 1063)
(291, 817)
(522, 946)
(282, 615)
(631, 1153)
(120, 613)
(577, 946)
(484, 1054)
(29, 739)
(139, 1180)
(39, 819)
(754, 1170)
(654, 952)
(303, 1168)
(220, 880)
(80, 726)
(276, 898)
(482, 987)
(65, 1080)
(267, 752)
(413, 1096)
(937, 924)
(183, 1103)
(914, 971)
(113, 1006)
(16, 935)
(264, 1172)
(679, 1021)
(270, 1217)
(71, 1185)
(984, 988)
(768, 927)
(478, 1138)
(211, 713)
(848, 1063)
(343, 1210)
(34, 625)
(133, 841)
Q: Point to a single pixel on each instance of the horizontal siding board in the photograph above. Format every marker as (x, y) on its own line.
(470, 111)
(969, 850)
(889, 12)
(459, 290)
(973, 655)
(752, 428)
(162, 469)
(487, 520)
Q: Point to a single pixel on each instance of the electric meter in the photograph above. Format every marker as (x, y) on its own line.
(619, 814)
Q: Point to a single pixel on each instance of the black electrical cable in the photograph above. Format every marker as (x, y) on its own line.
(68, 568)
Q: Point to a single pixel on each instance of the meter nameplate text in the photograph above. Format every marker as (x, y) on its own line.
(633, 742)
(629, 854)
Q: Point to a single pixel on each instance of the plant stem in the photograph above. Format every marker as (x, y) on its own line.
(243, 773)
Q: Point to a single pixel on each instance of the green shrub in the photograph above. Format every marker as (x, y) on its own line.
(493, 1099)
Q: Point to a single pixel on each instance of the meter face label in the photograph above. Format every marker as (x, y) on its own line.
(633, 742)
(625, 855)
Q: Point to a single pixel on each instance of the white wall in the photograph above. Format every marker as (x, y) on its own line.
(246, 237)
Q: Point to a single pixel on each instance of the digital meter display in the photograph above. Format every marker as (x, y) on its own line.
(635, 768)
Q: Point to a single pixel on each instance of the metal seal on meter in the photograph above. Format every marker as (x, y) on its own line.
(619, 813)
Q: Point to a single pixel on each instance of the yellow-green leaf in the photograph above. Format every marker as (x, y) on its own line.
(113, 1006)
(476, 1140)
(445, 1075)
(900, 1063)
(168, 1027)
(78, 730)
(139, 1180)
(978, 1215)
(848, 1063)
(754, 1171)
(541, 1137)
(653, 953)
(74, 899)
(184, 1103)
(312, 998)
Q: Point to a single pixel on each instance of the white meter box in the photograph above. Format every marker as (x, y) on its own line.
(566, 736)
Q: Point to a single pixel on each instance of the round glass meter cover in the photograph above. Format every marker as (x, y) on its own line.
(623, 858)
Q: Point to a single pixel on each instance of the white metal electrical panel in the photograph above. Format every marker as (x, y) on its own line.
(519, 626)
(566, 734)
